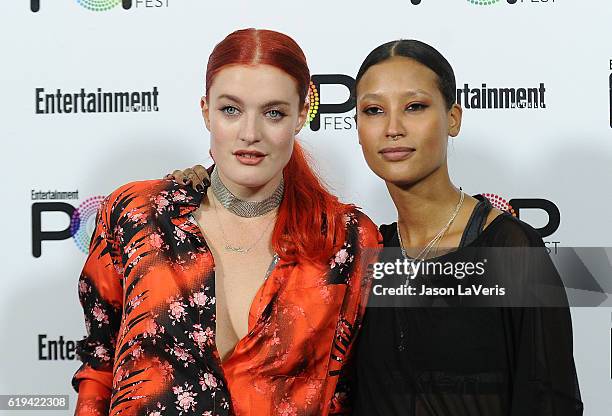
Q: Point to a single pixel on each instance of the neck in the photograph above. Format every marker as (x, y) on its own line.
(425, 206)
(255, 193)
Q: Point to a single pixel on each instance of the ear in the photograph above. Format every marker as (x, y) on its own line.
(454, 120)
(302, 116)
(205, 111)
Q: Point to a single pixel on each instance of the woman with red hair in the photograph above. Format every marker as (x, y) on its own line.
(241, 299)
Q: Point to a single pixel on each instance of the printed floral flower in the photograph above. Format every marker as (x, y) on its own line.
(287, 409)
(137, 352)
(275, 340)
(198, 298)
(156, 240)
(136, 217)
(151, 329)
(161, 203)
(118, 233)
(199, 336)
(350, 218)
(118, 268)
(83, 287)
(313, 388)
(101, 352)
(185, 398)
(130, 249)
(180, 235)
(181, 353)
(341, 256)
(165, 368)
(99, 314)
(209, 332)
(122, 372)
(176, 310)
(179, 195)
(135, 302)
(208, 381)
(224, 403)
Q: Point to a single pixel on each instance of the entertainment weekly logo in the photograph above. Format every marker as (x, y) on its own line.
(471, 96)
(59, 101)
(56, 349)
(81, 218)
(106, 5)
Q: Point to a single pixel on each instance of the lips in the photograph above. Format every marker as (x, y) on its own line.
(394, 154)
(249, 157)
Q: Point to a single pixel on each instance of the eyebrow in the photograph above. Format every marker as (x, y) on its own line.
(265, 105)
(408, 93)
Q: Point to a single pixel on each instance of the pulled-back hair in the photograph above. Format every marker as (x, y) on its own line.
(422, 53)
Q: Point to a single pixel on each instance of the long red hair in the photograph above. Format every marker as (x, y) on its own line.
(310, 223)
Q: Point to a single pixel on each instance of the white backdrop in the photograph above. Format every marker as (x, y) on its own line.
(561, 153)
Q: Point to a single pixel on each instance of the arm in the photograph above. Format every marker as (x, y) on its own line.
(100, 294)
(545, 380)
(341, 368)
(544, 377)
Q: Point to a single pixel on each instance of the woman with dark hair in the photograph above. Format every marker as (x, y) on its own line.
(443, 361)
(447, 361)
(244, 299)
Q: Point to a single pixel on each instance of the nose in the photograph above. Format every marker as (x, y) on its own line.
(395, 126)
(249, 130)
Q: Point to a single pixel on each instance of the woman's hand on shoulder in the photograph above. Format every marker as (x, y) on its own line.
(197, 176)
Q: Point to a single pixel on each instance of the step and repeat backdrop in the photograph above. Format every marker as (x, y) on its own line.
(97, 93)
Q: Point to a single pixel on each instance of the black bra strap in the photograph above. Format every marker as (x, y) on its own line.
(477, 221)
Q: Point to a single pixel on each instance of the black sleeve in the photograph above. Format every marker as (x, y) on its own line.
(544, 379)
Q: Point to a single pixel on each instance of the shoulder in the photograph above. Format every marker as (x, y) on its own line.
(388, 231)
(147, 197)
(507, 230)
(138, 187)
(357, 221)
(131, 192)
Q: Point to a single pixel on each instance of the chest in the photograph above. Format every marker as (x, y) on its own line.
(242, 257)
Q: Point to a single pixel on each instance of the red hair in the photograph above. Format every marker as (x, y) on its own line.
(310, 223)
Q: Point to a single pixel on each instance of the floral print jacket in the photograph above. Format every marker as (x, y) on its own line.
(148, 294)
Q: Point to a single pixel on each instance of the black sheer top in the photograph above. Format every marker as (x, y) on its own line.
(476, 361)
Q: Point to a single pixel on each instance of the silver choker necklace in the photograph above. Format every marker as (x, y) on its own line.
(242, 208)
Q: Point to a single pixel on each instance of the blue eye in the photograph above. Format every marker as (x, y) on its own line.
(275, 114)
(230, 110)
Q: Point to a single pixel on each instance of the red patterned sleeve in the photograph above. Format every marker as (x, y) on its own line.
(367, 241)
(100, 293)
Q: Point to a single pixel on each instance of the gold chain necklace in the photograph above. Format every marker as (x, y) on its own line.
(239, 249)
(424, 253)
